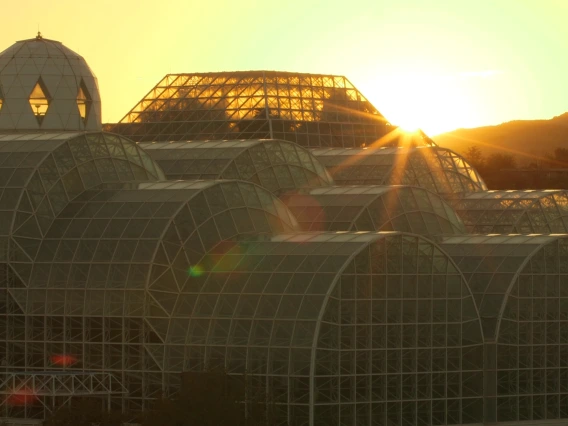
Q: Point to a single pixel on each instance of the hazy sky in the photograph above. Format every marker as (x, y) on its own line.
(435, 64)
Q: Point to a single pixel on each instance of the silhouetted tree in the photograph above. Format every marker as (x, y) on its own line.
(475, 157)
(560, 158)
(496, 171)
(500, 161)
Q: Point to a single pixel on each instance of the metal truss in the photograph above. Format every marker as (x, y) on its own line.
(43, 387)
(61, 383)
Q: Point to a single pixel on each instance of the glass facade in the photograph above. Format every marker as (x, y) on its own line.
(375, 208)
(437, 169)
(124, 266)
(107, 277)
(277, 165)
(308, 109)
(520, 284)
(41, 173)
(516, 212)
(346, 328)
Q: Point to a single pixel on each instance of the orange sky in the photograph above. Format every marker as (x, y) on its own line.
(434, 64)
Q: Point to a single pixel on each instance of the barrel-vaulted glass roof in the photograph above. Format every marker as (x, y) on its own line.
(142, 237)
(40, 173)
(492, 264)
(517, 212)
(521, 285)
(374, 208)
(277, 165)
(437, 169)
(321, 315)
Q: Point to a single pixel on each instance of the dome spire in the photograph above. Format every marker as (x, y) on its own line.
(39, 36)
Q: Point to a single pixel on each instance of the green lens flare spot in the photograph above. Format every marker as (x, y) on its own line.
(195, 271)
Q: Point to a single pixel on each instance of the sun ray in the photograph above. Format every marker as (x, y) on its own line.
(513, 151)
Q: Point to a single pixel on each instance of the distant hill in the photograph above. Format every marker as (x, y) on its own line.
(521, 138)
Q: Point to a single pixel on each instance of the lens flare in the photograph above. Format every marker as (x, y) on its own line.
(225, 257)
(22, 397)
(63, 360)
(195, 271)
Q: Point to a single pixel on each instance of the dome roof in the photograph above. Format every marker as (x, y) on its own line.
(46, 86)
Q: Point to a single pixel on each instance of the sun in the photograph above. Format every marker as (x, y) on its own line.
(409, 115)
(427, 101)
(408, 126)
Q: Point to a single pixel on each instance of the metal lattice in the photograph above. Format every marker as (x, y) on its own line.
(437, 169)
(57, 383)
(45, 86)
(516, 212)
(308, 109)
(520, 283)
(117, 284)
(375, 208)
(277, 165)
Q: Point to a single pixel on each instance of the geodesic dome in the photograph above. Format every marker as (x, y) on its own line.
(46, 86)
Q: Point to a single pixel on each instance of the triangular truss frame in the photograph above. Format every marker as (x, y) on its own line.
(308, 109)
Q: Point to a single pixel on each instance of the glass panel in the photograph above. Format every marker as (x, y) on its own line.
(39, 100)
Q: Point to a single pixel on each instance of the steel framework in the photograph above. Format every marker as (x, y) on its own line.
(375, 208)
(435, 168)
(57, 383)
(517, 212)
(277, 165)
(118, 284)
(37, 95)
(40, 392)
(308, 109)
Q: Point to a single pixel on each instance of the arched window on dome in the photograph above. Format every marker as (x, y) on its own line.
(39, 100)
(84, 101)
(1, 97)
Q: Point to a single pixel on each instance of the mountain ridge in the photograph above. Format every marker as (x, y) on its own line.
(521, 138)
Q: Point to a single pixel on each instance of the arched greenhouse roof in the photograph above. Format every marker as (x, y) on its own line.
(285, 292)
(437, 169)
(374, 208)
(41, 173)
(109, 247)
(496, 265)
(516, 212)
(277, 165)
